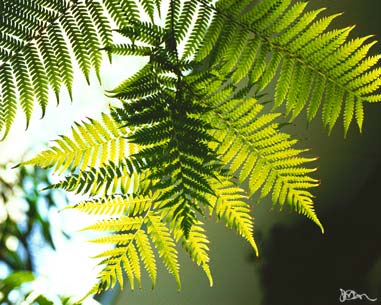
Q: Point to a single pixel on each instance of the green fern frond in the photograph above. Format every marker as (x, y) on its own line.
(171, 134)
(257, 152)
(148, 257)
(230, 204)
(33, 44)
(110, 178)
(116, 205)
(8, 105)
(92, 144)
(196, 245)
(165, 244)
(135, 228)
(256, 41)
(189, 135)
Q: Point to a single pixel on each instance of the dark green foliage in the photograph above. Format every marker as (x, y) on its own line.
(34, 54)
(169, 125)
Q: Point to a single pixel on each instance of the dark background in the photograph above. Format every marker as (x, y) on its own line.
(297, 264)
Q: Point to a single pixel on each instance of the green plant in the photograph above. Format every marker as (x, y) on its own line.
(24, 214)
(20, 283)
(191, 136)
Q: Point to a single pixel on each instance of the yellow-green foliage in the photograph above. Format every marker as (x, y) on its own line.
(316, 66)
(92, 144)
(191, 136)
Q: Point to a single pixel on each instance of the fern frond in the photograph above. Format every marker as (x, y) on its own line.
(171, 134)
(8, 104)
(165, 244)
(257, 152)
(126, 223)
(196, 245)
(92, 144)
(110, 178)
(33, 41)
(230, 204)
(135, 228)
(256, 41)
(116, 205)
(148, 257)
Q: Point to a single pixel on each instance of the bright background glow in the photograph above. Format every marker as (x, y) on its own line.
(69, 270)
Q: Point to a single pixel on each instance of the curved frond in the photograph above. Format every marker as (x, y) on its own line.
(258, 153)
(135, 230)
(318, 68)
(189, 134)
(171, 134)
(165, 244)
(196, 245)
(110, 178)
(230, 204)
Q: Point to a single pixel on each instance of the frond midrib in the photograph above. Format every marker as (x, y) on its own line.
(119, 259)
(256, 151)
(281, 49)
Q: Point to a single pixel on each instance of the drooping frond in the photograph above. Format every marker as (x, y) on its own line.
(196, 245)
(252, 147)
(35, 55)
(318, 68)
(134, 231)
(258, 153)
(189, 134)
(92, 144)
(230, 204)
(169, 127)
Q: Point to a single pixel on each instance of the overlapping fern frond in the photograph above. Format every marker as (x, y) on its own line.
(190, 135)
(35, 56)
(169, 123)
(314, 67)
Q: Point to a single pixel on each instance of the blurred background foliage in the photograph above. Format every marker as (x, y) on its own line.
(24, 212)
(25, 227)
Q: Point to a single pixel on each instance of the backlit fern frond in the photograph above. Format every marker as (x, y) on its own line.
(110, 178)
(35, 55)
(258, 153)
(115, 205)
(169, 127)
(318, 67)
(173, 141)
(196, 245)
(229, 204)
(92, 144)
(136, 230)
(189, 135)
(252, 147)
